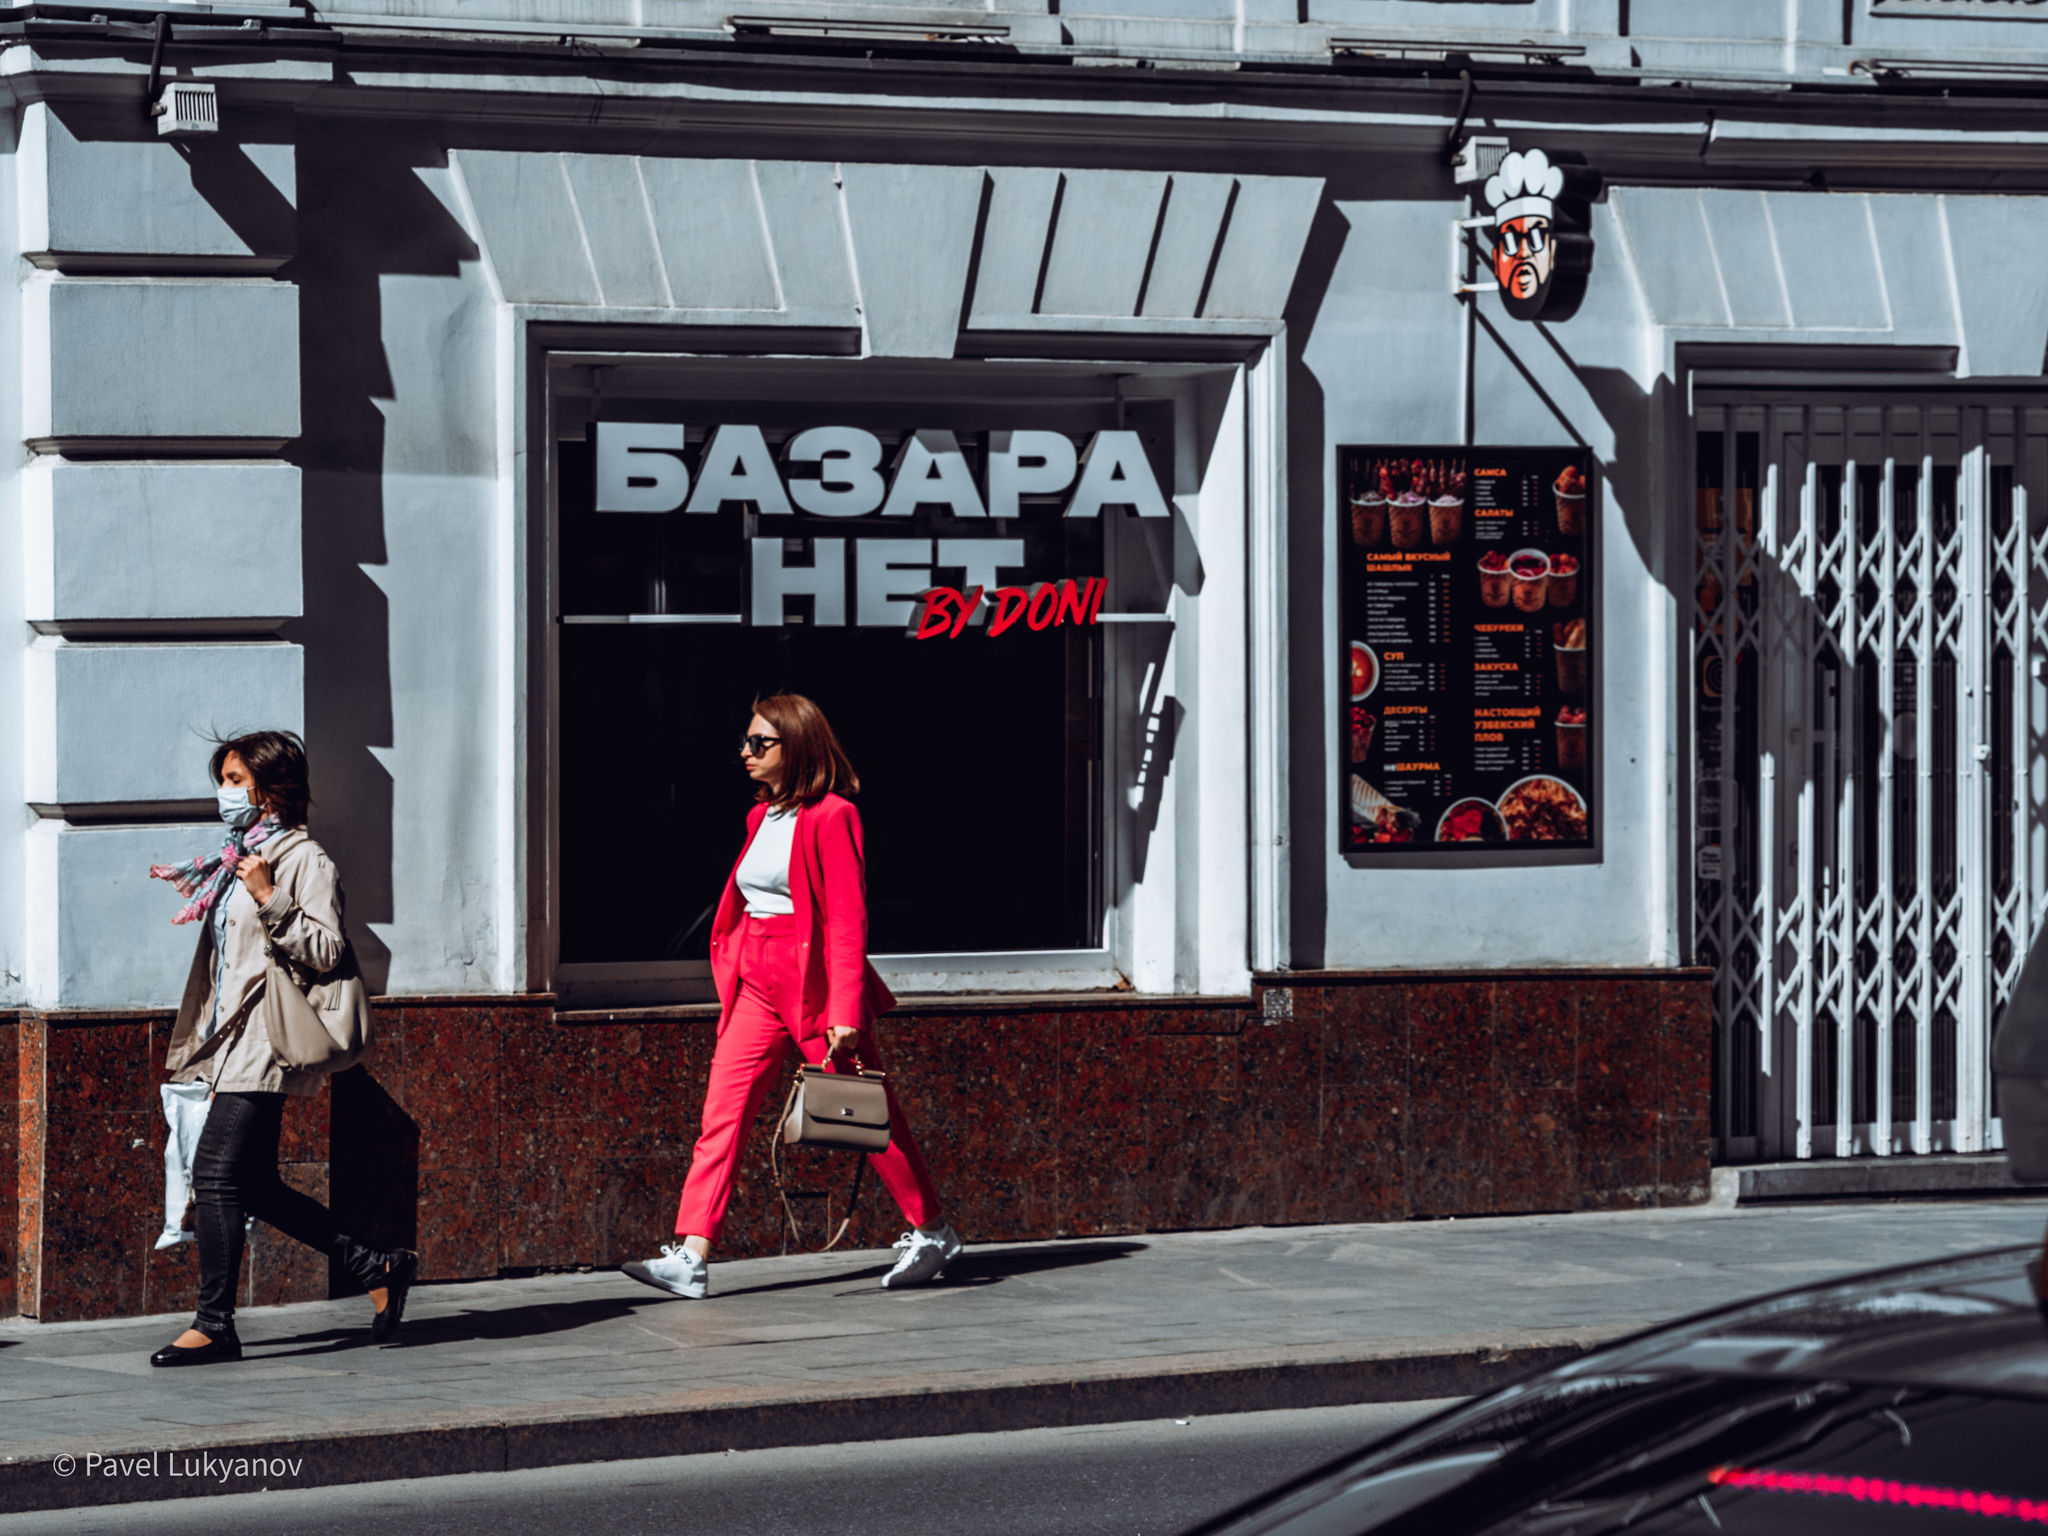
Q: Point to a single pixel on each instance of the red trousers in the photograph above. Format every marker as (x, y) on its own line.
(750, 1054)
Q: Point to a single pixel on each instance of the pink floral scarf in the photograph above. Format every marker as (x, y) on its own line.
(206, 879)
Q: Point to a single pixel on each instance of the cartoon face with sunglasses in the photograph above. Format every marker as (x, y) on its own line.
(1523, 196)
(1521, 255)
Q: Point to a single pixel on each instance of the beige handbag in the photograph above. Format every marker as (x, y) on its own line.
(307, 1038)
(838, 1111)
(834, 1112)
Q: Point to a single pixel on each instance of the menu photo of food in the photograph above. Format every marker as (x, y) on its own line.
(1543, 809)
(1570, 489)
(1377, 819)
(1471, 821)
(1365, 671)
(1466, 717)
(1362, 723)
(1407, 503)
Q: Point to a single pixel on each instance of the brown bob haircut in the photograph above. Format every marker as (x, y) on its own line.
(813, 762)
(276, 760)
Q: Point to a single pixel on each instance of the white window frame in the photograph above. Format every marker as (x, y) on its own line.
(1199, 925)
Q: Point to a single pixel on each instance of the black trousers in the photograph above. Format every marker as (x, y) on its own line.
(234, 1175)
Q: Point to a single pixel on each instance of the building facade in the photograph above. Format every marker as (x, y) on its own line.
(1345, 736)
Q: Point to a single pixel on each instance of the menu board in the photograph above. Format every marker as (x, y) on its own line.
(1466, 580)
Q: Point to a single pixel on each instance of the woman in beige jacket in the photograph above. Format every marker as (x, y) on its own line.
(270, 891)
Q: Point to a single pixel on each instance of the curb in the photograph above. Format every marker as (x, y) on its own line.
(125, 1472)
(1941, 1173)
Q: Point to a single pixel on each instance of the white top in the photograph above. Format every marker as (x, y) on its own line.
(764, 872)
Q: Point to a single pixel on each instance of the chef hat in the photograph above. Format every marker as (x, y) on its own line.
(1524, 185)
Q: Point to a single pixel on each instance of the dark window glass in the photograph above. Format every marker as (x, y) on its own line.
(979, 756)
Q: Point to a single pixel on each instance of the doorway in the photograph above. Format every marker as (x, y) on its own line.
(1867, 857)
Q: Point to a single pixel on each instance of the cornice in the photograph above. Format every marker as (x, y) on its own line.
(976, 104)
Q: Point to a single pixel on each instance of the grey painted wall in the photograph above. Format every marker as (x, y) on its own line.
(151, 584)
(342, 283)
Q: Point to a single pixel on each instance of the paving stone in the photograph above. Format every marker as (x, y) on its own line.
(529, 1361)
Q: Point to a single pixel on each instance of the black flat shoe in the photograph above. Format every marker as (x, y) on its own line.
(218, 1348)
(398, 1278)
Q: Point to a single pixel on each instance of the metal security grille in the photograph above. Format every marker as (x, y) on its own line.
(1861, 628)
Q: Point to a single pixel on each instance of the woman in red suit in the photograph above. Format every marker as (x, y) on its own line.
(789, 954)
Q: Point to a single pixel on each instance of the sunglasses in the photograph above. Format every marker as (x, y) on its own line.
(757, 746)
(1532, 241)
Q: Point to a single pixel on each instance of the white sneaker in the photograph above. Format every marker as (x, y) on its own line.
(924, 1255)
(678, 1271)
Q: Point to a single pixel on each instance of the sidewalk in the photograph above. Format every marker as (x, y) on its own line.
(494, 1375)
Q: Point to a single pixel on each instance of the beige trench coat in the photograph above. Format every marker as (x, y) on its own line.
(302, 924)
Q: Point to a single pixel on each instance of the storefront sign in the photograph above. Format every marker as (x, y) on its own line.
(837, 472)
(1465, 662)
(1542, 245)
(948, 611)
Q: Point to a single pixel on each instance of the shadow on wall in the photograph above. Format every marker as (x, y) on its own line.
(363, 215)
(1308, 832)
(1159, 558)
(374, 1168)
(248, 201)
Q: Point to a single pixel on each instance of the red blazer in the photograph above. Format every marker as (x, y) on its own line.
(828, 885)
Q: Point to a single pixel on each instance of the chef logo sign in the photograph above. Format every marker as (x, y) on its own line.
(838, 472)
(1542, 248)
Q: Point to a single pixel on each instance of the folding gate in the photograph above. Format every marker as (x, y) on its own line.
(1867, 798)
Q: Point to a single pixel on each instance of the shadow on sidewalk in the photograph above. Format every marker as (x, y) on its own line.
(509, 1324)
(990, 1268)
(973, 1267)
(973, 1270)
(502, 1325)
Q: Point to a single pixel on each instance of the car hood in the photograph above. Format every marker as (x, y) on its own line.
(1969, 1323)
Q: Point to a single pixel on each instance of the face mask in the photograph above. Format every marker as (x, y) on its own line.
(235, 808)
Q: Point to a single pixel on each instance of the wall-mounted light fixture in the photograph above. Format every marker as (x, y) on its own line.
(1478, 157)
(186, 109)
(182, 108)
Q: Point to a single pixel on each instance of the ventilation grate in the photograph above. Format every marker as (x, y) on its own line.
(188, 107)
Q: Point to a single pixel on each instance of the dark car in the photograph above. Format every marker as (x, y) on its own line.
(1911, 1399)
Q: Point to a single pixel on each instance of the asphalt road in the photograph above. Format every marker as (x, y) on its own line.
(1145, 1479)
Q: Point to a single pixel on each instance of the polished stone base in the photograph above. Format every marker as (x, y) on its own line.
(498, 1136)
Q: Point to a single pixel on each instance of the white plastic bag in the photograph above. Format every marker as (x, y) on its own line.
(185, 1106)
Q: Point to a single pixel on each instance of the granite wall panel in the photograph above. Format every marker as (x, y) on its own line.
(1685, 1129)
(97, 1081)
(10, 1162)
(90, 1139)
(1279, 1125)
(500, 1137)
(980, 1102)
(1364, 1073)
(31, 1122)
(1454, 1096)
